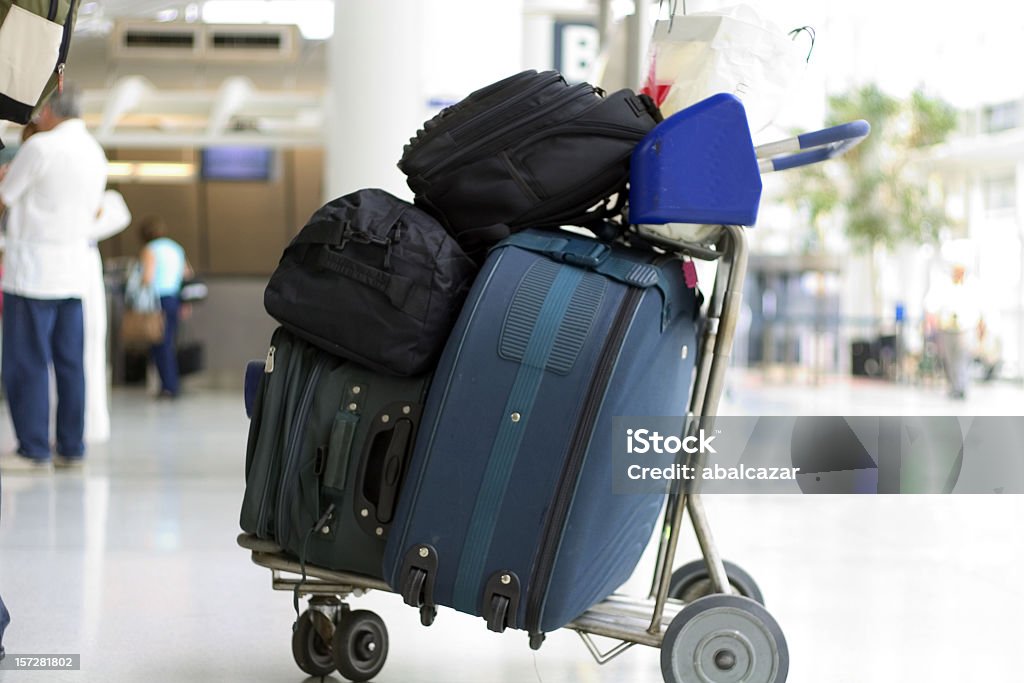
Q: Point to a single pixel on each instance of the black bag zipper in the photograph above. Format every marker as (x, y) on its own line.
(487, 117)
(65, 41)
(604, 129)
(551, 539)
(581, 90)
(261, 517)
(430, 128)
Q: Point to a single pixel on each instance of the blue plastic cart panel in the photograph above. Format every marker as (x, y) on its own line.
(697, 166)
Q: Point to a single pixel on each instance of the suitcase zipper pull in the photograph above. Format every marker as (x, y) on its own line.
(268, 366)
(328, 513)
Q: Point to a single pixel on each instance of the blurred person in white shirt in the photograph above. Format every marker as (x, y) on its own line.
(53, 193)
(114, 217)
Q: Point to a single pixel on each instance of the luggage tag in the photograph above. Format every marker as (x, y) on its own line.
(689, 272)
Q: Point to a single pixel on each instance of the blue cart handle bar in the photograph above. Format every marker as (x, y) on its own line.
(818, 145)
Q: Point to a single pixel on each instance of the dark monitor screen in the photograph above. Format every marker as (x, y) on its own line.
(237, 163)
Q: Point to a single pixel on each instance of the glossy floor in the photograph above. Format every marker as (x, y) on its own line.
(133, 564)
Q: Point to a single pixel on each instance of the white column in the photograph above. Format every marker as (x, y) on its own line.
(391, 63)
(375, 102)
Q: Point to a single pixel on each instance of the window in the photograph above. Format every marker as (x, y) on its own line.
(1002, 116)
(1000, 192)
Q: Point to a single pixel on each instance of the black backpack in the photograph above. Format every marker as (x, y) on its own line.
(373, 279)
(527, 151)
(34, 65)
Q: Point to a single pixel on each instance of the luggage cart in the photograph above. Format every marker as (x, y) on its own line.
(707, 617)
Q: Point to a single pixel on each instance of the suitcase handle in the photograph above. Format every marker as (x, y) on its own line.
(388, 447)
(818, 145)
(391, 472)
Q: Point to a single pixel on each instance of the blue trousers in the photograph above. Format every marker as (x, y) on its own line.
(5, 618)
(39, 333)
(165, 353)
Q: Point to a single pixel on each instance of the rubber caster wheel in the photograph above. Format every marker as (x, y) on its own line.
(692, 582)
(311, 652)
(427, 614)
(724, 639)
(412, 591)
(498, 619)
(360, 646)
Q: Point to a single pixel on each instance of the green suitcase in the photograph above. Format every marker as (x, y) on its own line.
(328, 445)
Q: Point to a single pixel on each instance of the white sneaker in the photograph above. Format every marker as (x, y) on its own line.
(15, 463)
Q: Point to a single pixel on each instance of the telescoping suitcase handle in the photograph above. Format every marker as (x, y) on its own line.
(385, 456)
(812, 147)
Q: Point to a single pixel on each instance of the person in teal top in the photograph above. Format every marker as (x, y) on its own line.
(164, 266)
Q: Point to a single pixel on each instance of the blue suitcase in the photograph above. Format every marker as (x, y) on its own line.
(507, 511)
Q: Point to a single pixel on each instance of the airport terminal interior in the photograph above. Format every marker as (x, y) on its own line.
(233, 121)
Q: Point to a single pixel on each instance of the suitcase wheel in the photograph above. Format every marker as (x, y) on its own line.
(724, 639)
(360, 645)
(412, 591)
(427, 614)
(497, 619)
(691, 581)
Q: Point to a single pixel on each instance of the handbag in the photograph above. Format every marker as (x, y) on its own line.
(733, 50)
(142, 328)
(34, 42)
(142, 322)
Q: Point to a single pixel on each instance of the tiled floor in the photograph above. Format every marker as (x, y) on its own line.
(133, 564)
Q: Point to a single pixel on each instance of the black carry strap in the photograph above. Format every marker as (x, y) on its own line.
(336, 232)
(395, 287)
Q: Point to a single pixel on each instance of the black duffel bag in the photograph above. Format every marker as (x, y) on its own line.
(528, 151)
(373, 279)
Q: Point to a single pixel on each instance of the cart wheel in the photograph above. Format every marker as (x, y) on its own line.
(724, 639)
(691, 582)
(311, 652)
(360, 645)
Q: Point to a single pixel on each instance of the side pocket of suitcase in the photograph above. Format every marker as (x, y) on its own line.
(266, 432)
(364, 454)
(306, 452)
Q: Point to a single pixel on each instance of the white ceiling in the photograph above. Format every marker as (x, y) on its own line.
(95, 16)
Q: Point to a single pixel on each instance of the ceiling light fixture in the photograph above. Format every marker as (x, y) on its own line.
(315, 18)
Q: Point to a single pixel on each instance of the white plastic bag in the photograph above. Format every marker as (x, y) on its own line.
(733, 50)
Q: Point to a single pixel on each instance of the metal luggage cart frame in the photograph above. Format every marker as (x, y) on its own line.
(658, 621)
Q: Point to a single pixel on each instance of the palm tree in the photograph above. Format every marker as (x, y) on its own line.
(875, 190)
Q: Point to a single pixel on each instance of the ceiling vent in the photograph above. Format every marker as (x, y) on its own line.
(131, 40)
